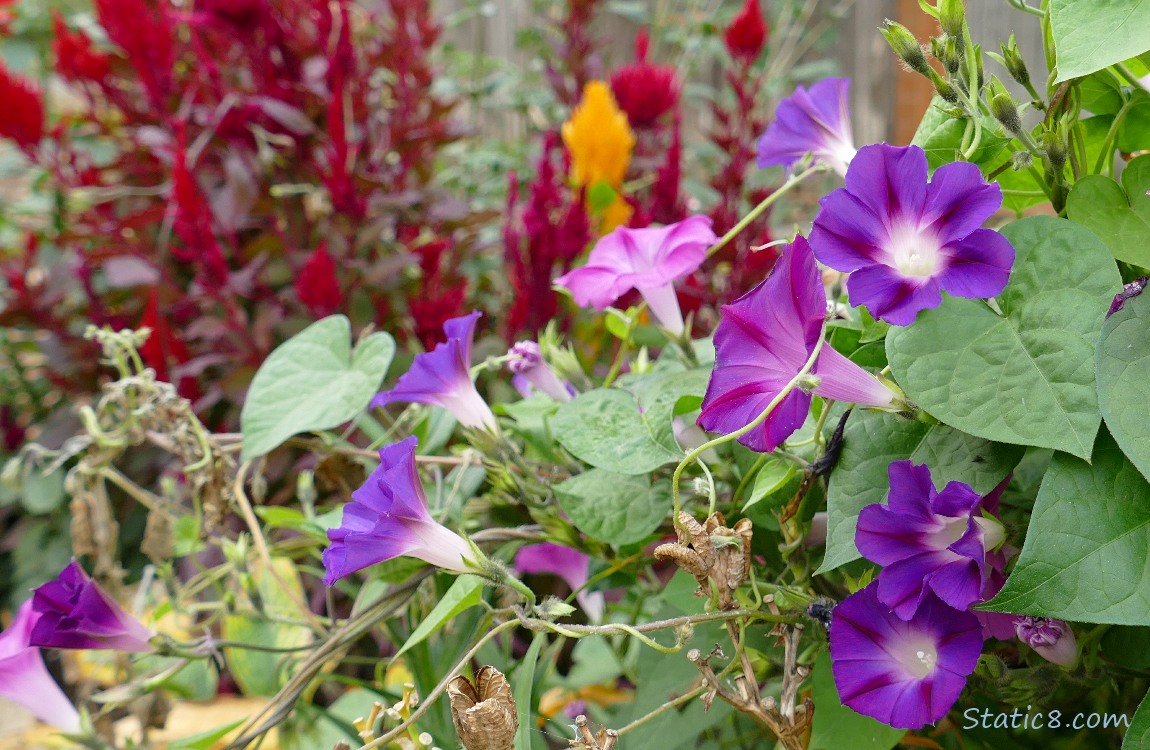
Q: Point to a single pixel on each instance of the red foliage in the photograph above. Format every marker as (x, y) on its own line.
(317, 283)
(22, 117)
(76, 58)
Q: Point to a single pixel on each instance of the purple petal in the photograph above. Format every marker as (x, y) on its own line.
(891, 180)
(815, 121)
(847, 234)
(571, 565)
(595, 286)
(891, 296)
(351, 551)
(74, 612)
(843, 380)
(978, 266)
(25, 680)
(958, 201)
(911, 489)
(955, 499)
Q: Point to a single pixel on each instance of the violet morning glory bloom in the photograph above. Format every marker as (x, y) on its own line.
(928, 541)
(442, 377)
(388, 518)
(76, 613)
(763, 340)
(906, 674)
(904, 240)
(529, 364)
(814, 121)
(1052, 639)
(24, 679)
(645, 259)
(570, 565)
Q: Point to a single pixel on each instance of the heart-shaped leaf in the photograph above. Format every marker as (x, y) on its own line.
(1086, 549)
(1119, 214)
(607, 428)
(1123, 364)
(1092, 35)
(313, 381)
(1027, 376)
(614, 508)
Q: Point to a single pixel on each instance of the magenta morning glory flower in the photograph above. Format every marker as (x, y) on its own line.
(528, 364)
(442, 377)
(645, 259)
(1052, 639)
(24, 679)
(388, 518)
(74, 612)
(904, 240)
(928, 541)
(763, 340)
(906, 674)
(570, 565)
(812, 121)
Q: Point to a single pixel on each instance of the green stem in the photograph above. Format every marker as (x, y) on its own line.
(790, 386)
(766, 203)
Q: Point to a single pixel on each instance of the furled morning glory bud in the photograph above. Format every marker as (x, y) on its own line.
(1015, 65)
(1002, 106)
(943, 87)
(1052, 639)
(951, 17)
(952, 53)
(1055, 145)
(905, 46)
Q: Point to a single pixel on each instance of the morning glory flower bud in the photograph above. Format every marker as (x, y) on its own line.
(952, 17)
(1052, 639)
(1002, 106)
(74, 612)
(1014, 63)
(905, 46)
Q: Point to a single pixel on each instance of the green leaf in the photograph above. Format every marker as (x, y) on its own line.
(1123, 365)
(1020, 190)
(203, 740)
(1090, 35)
(465, 592)
(1085, 554)
(1101, 93)
(524, 684)
(772, 476)
(1128, 646)
(614, 508)
(837, 726)
(1138, 735)
(1134, 132)
(600, 196)
(42, 493)
(313, 381)
(261, 672)
(1025, 377)
(873, 440)
(940, 136)
(605, 428)
(1119, 214)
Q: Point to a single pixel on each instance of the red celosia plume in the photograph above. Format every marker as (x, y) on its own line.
(645, 91)
(747, 34)
(22, 116)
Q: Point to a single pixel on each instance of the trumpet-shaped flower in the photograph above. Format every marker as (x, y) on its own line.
(904, 240)
(813, 121)
(762, 342)
(528, 364)
(388, 518)
(928, 541)
(570, 565)
(904, 673)
(24, 679)
(645, 259)
(442, 377)
(74, 612)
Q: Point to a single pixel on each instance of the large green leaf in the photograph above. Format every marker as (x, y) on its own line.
(1119, 214)
(313, 381)
(614, 508)
(1087, 552)
(1138, 735)
(940, 135)
(837, 726)
(1123, 364)
(607, 429)
(1027, 376)
(872, 441)
(1090, 35)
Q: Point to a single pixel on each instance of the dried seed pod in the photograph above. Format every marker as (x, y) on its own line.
(484, 712)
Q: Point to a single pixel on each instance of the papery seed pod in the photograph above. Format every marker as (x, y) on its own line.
(157, 544)
(484, 713)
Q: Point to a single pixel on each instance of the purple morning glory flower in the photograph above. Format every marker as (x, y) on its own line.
(928, 541)
(442, 377)
(906, 674)
(645, 259)
(570, 565)
(904, 240)
(24, 679)
(814, 121)
(1052, 639)
(74, 612)
(763, 340)
(529, 365)
(388, 518)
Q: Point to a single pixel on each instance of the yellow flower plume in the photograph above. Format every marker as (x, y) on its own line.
(600, 141)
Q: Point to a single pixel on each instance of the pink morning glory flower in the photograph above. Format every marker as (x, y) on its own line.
(24, 679)
(906, 674)
(442, 377)
(1052, 639)
(528, 364)
(645, 259)
(905, 240)
(388, 518)
(928, 541)
(813, 121)
(570, 565)
(74, 612)
(763, 340)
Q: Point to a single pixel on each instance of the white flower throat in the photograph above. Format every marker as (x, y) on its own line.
(914, 251)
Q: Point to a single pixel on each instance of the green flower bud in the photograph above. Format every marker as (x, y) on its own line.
(905, 46)
(1056, 149)
(952, 17)
(1002, 106)
(951, 56)
(943, 87)
(1014, 63)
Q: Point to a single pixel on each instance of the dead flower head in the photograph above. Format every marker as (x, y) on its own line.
(484, 711)
(712, 553)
